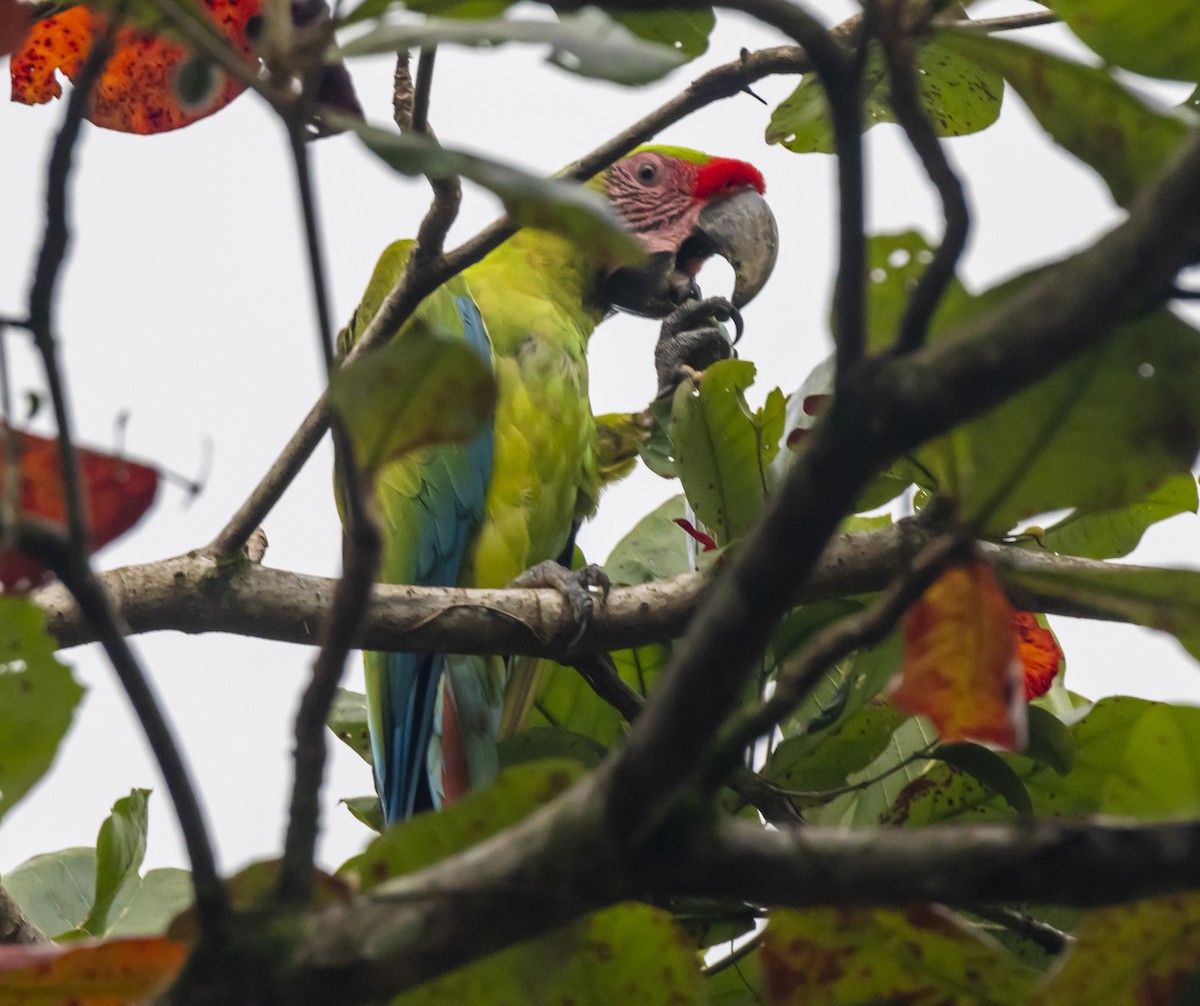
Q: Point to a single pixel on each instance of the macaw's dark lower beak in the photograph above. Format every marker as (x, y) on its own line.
(740, 229)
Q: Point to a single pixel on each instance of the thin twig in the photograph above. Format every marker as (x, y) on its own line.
(45, 282)
(1054, 941)
(840, 75)
(69, 559)
(362, 546)
(899, 49)
(865, 628)
(722, 82)
(312, 233)
(602, 678)
(422, 90)
(994, 24)
(46, 543)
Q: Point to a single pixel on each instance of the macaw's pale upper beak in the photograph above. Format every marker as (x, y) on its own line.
(739, 228)
(742, 231)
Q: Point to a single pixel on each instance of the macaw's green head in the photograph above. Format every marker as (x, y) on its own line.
(683, 207)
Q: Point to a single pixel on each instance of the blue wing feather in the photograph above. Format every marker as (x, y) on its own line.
(440, 508)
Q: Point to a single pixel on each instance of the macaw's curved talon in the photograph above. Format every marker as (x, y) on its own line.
(577, 586)
(692, 338)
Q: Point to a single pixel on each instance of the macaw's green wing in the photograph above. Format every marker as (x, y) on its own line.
(430, 503)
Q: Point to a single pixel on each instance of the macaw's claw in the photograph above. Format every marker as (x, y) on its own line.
(577, 586)
(692, 338)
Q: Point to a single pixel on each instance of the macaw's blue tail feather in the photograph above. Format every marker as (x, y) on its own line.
(411, 682)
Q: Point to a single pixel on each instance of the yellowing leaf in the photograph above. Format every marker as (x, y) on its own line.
(961, 667)
(839, 957)
(115, 973)
(1148, 952)
(419, 390)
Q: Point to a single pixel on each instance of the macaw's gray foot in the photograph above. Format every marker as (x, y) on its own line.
(578, 587)
(692, 338)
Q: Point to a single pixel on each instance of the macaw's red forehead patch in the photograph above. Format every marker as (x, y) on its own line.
(150, 84)
(723, 174)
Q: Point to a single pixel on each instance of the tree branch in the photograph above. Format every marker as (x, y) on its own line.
(1086, 864)
(196, 593)
(15, 926)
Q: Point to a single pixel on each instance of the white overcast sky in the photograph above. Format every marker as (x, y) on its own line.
(186, 303)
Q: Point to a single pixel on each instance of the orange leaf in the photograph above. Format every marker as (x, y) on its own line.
(961, 667)
(117, 493)
(113, 973)
(150, 84)
(1040, 654)
(14, 23)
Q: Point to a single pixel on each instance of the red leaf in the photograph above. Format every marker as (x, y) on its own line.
(961, 666)
(14, 23)
(117, 493)
(113, 973)
(1041, 656)
(150, 84)
(706, 541)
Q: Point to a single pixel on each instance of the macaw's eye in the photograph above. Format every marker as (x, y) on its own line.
(647, 172)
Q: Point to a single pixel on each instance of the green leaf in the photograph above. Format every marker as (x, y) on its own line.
(895, 264)
(348, 721)
(430, 837)
(1100, 432)
(120, 848)
(990, 769)
(1144, 952)
(1084, 109)
(843, 956)
(1163, 599)
(959, 96)
(366, 810)
(1050, 740)
(684, 31)
(55, 888)
(813, 763)
(884, 781)
(38, 697)
(417, 391)
(566, 701)
(1115, 531)
(1160, 39)
(590, 43)
(630, 954)
(723, 450)
(654, 549)
(573, 211)
(545, 743)
(1105, 434)
(658, 450)
(1133, 758)
(147, 908)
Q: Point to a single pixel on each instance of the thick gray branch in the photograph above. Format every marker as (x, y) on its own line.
(196, 593)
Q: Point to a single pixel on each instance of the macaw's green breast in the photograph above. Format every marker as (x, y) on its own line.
(536, 294)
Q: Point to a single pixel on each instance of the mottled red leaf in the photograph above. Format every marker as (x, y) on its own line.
(1039, 652)
(117, 492)
(150, 84)
(706, 540)
(113, 973)
(14, 23)
(961, 666)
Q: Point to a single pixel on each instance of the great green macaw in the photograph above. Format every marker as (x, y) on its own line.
(482, 514)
